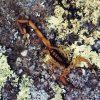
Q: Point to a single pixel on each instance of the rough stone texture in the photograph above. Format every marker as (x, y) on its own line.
(63, 23)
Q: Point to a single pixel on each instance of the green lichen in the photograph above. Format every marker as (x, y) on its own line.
(87, 53)
(57, 22)
(89, 12)
(24, 93)
(57, 91)
(4, 69)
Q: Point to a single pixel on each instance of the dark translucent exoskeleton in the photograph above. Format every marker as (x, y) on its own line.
(59, 57)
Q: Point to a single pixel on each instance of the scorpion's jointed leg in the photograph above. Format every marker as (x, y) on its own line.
(72, 65)
(22, 29)
(79, 59)
(62, 77)
(37, 31)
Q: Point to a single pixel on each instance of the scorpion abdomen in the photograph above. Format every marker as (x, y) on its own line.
(59, 56)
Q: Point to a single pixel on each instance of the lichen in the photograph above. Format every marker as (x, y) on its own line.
(29, 91)
(38, 94)
(4, 69)
(86, 52)
(57, 91)
(57, 22)
(89, 12)
(24, 93)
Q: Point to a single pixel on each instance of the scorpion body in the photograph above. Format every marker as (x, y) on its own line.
(59, 57)
(54, 52)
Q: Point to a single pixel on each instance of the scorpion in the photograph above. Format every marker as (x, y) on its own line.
(55, 52)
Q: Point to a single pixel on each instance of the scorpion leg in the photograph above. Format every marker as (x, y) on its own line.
(22, 29)
(62, 77)
(37, 31)
(79, 59)
(72, 65)
(40, 35)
